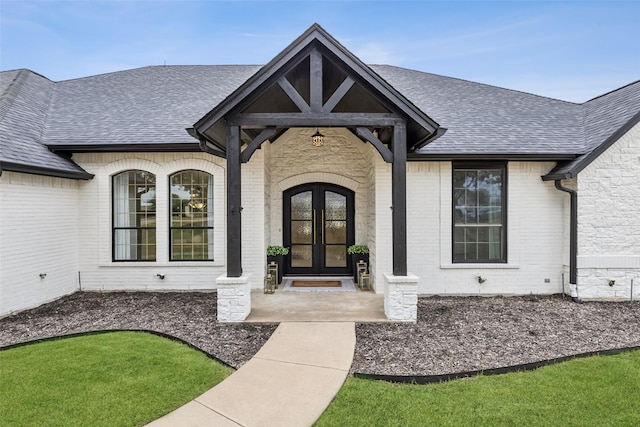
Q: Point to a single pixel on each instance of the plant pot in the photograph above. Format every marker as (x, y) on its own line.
(355, 259)
(278, 259)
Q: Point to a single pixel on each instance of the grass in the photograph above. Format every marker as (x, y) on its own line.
(109, 379)
(594, 391)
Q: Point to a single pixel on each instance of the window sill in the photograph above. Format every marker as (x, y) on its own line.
(126, 264)
(479, 266)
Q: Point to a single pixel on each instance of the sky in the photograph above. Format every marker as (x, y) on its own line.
(570, 50)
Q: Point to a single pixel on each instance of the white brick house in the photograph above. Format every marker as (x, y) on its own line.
(136, 180)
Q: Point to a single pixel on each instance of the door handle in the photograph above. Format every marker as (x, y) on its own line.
(322, 231)
(314, 226)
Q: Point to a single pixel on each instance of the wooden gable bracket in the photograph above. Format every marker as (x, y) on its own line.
(365, 133)
(256, 143)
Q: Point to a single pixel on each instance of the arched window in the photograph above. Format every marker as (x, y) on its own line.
(134, 216)
(191, 228)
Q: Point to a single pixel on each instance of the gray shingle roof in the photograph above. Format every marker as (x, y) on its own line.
(483, 119)
(153, 106)
(149, 105)
(24, 103)
(606, 119)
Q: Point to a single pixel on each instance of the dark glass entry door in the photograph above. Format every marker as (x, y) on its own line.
(318, 227)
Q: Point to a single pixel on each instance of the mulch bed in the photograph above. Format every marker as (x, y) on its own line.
(453, 334)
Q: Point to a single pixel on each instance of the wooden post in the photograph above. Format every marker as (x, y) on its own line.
(315, 79)
(234, 200)
(399, 199)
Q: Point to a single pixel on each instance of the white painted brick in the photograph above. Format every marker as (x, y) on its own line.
(609, 220)
(38, 234)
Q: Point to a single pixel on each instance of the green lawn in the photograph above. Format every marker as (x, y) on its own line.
(594, 391)
(109, 379)
(131, 378)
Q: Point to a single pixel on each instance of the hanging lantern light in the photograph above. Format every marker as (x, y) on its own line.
(317, 139)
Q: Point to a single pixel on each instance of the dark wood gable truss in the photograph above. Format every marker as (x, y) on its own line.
(315, 82)
(312, 112)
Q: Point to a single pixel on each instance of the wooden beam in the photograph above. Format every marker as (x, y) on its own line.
(293, 94)
(316, 81)
(314, 120)
(399, 199)
(257, 142)
(338, 95)
(365, 133)
(234, 200)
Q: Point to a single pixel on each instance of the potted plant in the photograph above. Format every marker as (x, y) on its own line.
(358, 253)
(276, 254)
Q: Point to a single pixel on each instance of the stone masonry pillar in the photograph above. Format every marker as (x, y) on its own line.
(234, 298)
(401, 297)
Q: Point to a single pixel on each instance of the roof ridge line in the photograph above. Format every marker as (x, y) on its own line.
(611, 91)
(477, 83)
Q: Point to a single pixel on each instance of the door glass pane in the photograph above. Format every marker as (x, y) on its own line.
(335, 232)
(335, 206)
(336, 256)
(301, 232)
(301, 256)
(301, 206)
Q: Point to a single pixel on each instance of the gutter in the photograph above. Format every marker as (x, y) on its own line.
(435, 135)
(573, 238)
(44, 171)
(203, 143)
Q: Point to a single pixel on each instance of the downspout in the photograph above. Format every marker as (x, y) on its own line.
(573, 239)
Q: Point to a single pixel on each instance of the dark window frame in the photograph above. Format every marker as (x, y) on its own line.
(138, 230)
(479, 165)
(170, 220)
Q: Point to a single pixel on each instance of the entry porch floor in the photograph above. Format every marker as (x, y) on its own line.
(322, 306)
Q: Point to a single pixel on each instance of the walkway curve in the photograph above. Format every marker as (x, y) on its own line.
(289, 382)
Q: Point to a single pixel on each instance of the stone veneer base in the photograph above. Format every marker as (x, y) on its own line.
(234, 298)
(401, 297)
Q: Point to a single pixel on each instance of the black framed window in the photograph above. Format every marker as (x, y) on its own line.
(134, 216)
(479, 212)
(191, 228)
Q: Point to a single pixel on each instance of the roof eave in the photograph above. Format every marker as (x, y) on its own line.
(586, 159)
(39, 170)
(125, 148)
(528, 157)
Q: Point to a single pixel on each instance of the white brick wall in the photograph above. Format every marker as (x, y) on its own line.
(535, 230)
(98, 271)
(77, 222)
(382, 248)
(609, 221)
(253, 218)
(38, 235)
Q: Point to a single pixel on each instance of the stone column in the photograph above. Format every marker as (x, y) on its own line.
(401, 297)
(234, 298)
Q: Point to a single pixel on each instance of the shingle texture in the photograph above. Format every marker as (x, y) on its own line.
(24, 103)
(603, 116)
(486, 119)
(154, 105)
(147, 105)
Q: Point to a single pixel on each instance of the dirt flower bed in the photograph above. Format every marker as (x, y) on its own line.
(459, 334)
(453, 334)
(188, 316)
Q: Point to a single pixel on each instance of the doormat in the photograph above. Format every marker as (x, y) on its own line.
(325, 284)
(316, 284)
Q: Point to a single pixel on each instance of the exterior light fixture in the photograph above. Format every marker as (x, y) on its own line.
(317, 139)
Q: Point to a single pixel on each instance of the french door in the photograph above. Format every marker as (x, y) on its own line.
(318, 227)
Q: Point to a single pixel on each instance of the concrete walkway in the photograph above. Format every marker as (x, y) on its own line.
(289, 382)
